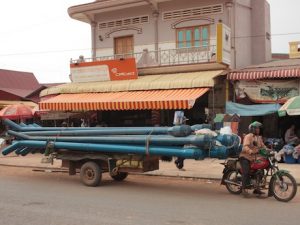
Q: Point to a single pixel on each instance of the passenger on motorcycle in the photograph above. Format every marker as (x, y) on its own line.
(251, 145)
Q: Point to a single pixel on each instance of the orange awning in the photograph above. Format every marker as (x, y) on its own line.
(129, 100)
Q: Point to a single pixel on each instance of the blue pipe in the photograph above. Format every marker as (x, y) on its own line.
(161, 130)
(13, 147)
(188, 153)
(25, 151)
(19, 150)
(202, 141)
(176, 131)
(220, 152)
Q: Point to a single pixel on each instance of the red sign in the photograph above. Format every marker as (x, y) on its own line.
(121, 69)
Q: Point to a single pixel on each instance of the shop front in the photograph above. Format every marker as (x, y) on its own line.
(133, 100)
(260, 91)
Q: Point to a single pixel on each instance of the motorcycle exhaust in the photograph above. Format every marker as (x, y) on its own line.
(233, 183)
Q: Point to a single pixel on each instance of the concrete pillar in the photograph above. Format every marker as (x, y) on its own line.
(93, 37)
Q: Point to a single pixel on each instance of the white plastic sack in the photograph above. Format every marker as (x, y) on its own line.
(226, 130)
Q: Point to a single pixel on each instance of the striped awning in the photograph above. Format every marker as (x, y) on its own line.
(264, 74)
(129, 100)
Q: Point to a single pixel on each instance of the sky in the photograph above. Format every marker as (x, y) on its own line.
(39, 36)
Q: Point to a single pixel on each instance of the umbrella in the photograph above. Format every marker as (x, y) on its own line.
(291, 107)
(17, 111)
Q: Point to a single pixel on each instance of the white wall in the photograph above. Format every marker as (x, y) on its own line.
(251, 19)
(166, 34)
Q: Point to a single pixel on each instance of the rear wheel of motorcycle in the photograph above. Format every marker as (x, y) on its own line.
(283, 187)
(235, 177)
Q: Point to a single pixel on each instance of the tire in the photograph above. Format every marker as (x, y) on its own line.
(90, 174)
(283, 184)
(120, 176)
(233, 176)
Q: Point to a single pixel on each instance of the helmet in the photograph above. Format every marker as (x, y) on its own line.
(254, 125)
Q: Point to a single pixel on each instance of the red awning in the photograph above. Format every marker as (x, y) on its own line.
(264, 74)
(129, 100)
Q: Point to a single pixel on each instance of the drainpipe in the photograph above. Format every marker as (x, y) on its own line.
(93, 38)
(155, 17)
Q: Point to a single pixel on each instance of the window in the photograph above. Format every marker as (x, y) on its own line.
(192, 37)
(123, 46)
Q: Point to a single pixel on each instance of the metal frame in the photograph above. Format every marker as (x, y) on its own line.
(166, 57)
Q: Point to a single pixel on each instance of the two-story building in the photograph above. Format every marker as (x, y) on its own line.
(181, 49)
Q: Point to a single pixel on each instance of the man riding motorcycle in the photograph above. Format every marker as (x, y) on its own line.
(251, 145)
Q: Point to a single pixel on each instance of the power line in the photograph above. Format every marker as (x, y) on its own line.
(43, 52)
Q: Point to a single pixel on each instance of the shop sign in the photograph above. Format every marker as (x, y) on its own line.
(267, 91)
(223, 44)
(96, 71)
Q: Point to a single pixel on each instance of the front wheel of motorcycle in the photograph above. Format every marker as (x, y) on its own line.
(283, 187)
(233, 183)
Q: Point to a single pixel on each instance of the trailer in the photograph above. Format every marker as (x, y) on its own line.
(117, 150)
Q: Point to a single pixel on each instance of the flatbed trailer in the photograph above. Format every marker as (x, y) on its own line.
(91, 166)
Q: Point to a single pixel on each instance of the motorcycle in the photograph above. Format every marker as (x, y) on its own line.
(264, 175)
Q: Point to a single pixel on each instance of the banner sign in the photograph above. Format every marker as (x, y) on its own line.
(267, 91)
(120, 69)
(223, 44)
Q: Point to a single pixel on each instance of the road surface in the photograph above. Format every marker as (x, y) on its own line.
(36, 198)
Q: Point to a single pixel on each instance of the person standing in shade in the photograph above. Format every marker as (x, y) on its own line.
(290, 135)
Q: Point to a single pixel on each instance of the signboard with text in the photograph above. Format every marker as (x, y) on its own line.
(267, 91)
(97, 71)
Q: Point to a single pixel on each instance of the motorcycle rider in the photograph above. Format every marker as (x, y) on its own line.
(251, 145)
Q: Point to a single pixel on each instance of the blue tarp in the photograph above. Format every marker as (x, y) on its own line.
(251, 110)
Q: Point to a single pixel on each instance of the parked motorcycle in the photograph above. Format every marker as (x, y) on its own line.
(264, 175)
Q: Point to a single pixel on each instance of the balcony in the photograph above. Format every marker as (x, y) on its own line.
(169, 57)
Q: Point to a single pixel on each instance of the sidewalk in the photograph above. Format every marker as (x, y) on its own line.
(203, 169)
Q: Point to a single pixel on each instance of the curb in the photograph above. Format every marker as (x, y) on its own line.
(56, 169)
(136, 174)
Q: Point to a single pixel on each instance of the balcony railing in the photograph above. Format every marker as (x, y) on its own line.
(169, 57)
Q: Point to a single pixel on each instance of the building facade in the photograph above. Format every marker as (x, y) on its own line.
(181, 49)
(162, 27)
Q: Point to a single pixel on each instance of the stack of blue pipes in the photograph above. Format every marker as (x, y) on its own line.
(177, 141)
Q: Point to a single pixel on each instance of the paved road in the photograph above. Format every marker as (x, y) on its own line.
(35, 198)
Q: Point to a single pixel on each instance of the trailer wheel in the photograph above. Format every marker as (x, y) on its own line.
(120, 176)
(90, 174)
